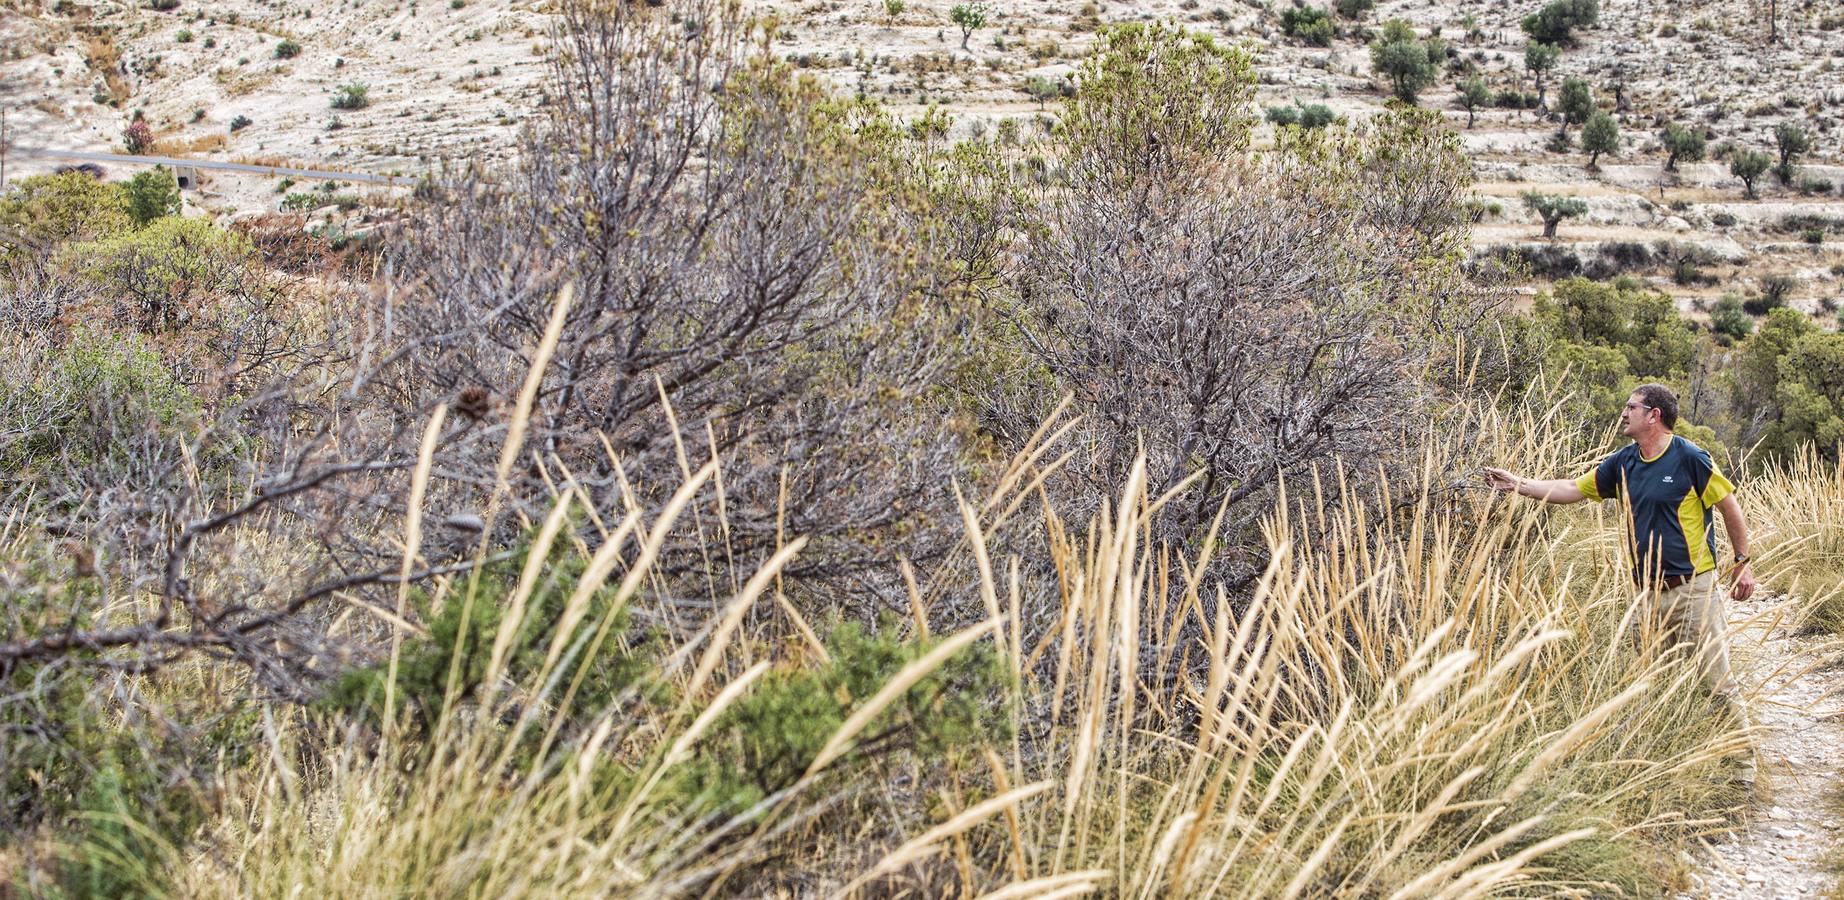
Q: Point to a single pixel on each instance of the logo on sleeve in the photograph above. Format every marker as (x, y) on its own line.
(1667, 479)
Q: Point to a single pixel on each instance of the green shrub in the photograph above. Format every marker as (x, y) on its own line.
(1309, 24)
(151, 194)
(768, 739)
(184, 36)
(1730, 321)
(1353, 9)
(84, 397)
(352, 96)
(1556, 22)
(287, 49)
(1600, 134)
(1681, 143)
(63, 207)
(169, 272)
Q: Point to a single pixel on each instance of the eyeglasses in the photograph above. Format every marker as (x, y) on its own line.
(1639, 406)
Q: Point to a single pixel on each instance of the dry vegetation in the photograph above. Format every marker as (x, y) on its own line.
(771, 495)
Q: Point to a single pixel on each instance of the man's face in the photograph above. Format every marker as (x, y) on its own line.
(1637, 417)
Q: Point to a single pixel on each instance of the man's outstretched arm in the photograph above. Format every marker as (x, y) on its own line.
(1556, 490)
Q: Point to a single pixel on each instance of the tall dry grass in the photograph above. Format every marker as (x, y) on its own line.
(1799, 506)
(1429, 694)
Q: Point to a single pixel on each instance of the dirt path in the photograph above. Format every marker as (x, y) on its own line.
(1798, 709)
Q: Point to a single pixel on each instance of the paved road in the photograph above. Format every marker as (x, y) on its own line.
(329, 175)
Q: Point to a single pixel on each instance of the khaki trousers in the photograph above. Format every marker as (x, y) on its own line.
(1692, 617)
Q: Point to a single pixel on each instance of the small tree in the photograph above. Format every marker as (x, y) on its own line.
(1792, 142)
(1474, 94)
(1749, 165)
(151, 194)
(970, 17)
(894, 8)
(1682, 143)
(1409, 64)
(1600, 135)
(1554, 209)
(1556, 22)
(138, 137)
(287, 49)
(1540, 58)
(1042, 88)
(1574, 103)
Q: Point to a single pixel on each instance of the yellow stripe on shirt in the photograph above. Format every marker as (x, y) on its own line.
(1588, 489)
(1693, 518)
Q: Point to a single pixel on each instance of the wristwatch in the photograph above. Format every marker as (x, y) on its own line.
(1741, 560)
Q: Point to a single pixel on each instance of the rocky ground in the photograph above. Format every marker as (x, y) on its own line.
(1797, 709)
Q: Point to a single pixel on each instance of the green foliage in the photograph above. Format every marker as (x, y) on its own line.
(1686, 144)
(1308, 116)
(1556, 22)
(449, 664)
(1539, 58)
(351, 96)
(287, 49)
(1729, 321)
(1792, 142)
(970, 17)
(1749, 165)
(1310, 24)
(1043, 88)
(86, 395)
(1553, 209)
(1574, 101)
(894, 8)
(1473, 94)
(1643, 326)
(164, 271)
(1810, 395)
(767, 740)
(1354, 9)
(152, 194)
(1153, 96)
(1410, 65)
(54, 209)
(1600, 134)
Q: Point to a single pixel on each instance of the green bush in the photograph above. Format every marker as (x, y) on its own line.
(170, 271)
(184, 36)
(85, 396)
(287, 49)
(1354, 9)
(152, 194)
(1600, 134)
(1556, 22)
(1729, 321)
(63, 207)
(352, 96)
(1309, 24)
(767, 740)
(1680, 143)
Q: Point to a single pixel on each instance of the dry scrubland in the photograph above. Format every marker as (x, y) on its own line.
(774, 494)
(451, 82)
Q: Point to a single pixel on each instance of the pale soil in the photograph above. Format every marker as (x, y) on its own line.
(1796, 707)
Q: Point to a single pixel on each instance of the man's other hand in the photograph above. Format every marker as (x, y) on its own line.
(1743, 587)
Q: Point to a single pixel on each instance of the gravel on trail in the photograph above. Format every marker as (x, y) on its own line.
(1795, 703)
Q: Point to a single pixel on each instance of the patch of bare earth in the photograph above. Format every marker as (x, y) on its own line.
(1797, 709)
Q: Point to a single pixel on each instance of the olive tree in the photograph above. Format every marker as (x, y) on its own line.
(1749, 166)
(1553, 209)
(1600, 134)
(1681, 143)
(971, 17)
(1792, 142)
(1411, 65)
(1473, 94)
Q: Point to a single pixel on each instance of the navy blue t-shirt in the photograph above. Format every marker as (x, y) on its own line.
(1671, 496)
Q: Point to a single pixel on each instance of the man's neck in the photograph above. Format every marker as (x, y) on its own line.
(1653, 444)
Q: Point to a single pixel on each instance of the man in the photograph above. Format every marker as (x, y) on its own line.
(1670, 486)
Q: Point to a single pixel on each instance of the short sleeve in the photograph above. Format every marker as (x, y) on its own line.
(1605, 482)
(1710, 484)
(1588, 490)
